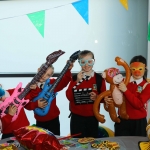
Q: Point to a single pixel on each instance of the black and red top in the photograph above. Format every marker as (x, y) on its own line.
(83, 109)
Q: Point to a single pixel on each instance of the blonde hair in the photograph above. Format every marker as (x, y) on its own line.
(50, 66)
(84, 53)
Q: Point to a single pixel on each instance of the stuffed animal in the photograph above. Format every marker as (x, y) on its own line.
(113, 77)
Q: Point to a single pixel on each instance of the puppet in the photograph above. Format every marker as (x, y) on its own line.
(113, 77)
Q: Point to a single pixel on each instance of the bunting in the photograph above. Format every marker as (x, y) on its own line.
(148, 36)
(38, 19)
(124, 3)
(82, 9)
(81, 6)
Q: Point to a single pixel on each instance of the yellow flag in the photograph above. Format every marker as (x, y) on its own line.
(124, 3)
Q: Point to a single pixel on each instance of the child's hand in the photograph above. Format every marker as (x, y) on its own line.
(42, 103)
(71, 65)
(108, 100)
(12, 110)
(33, 86)
(122, 87)
(93, 96)
(80, 75)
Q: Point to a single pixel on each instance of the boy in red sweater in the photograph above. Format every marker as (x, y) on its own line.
(137, 93)
(81, 93)
(51, 120)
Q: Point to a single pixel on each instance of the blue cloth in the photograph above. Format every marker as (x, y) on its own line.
(2, 92)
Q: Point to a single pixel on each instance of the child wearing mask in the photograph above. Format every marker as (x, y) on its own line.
(137, 94)
(81, 93)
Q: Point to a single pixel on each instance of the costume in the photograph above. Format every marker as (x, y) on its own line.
(137, 94)
(8, 127)
(51, 120)
(82, 117)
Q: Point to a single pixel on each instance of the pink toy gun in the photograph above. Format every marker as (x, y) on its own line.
(17, 98)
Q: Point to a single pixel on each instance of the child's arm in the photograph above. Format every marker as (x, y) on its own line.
(138, 101)
(35, 90)
(6, 120)
(103, 88)
(37, 104)
(64, 81)
(69, 92)
(31, 105)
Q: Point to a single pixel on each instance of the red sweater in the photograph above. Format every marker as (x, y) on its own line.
(135, 101)
(21, 121)
(54, 110)
(83, 109)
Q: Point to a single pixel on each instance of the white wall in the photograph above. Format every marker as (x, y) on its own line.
(112, 30)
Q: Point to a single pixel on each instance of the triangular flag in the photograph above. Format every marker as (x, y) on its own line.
(124, 3)
(148, 36)
(38, 19)
(82, 8)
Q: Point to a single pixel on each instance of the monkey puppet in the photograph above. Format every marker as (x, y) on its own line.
(113, 77)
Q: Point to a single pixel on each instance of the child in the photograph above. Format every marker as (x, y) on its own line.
(8, 126)
(51, 120)
(2, 94)
(81, 102)
(137, 93)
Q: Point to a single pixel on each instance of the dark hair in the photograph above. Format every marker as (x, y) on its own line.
(140, 58)
(84, 53)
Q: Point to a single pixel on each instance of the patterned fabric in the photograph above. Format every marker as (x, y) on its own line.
(85, 78)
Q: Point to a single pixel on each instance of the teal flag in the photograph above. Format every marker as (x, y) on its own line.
(148, 36)
(82, 9)
(38, 19)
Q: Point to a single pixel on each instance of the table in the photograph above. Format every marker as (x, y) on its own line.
(125, 142)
